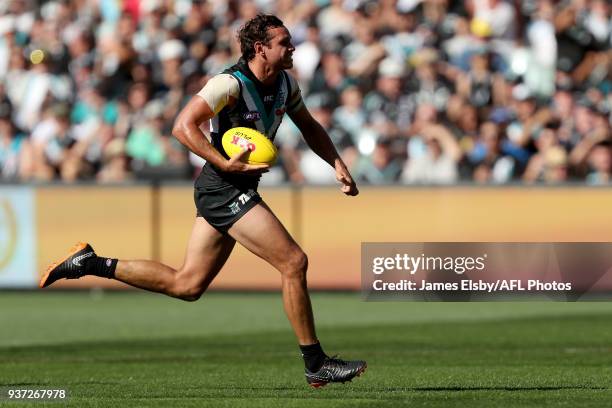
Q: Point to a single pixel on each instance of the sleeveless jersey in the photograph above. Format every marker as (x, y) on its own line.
(258, 107)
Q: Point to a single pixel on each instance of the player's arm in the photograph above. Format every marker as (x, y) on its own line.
(318, 140)
(187, 130)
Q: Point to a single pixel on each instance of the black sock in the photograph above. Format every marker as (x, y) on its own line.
(313, 356)
(103, 267)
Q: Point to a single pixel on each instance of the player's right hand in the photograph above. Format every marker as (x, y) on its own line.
(237, 165)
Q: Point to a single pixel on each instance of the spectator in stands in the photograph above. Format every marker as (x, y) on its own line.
(600, 163)
(556, 168)
(363, 54)
(15, 148)
(549, 158)
(335, 20)
(489, 156)
(388, 109)
(350, 116)
(51, 143)
(438, 164)
(307, 56)
(330, 77)
(381, 166)
(497, 73)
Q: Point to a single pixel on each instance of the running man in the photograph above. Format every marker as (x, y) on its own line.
(255, 93)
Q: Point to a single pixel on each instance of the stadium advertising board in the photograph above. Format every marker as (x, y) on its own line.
(17, 238)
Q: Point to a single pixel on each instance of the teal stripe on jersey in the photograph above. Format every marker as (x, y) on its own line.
(267, 120)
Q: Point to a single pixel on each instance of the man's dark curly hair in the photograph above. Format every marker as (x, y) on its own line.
(254, 30)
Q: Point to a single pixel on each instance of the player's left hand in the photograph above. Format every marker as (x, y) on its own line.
(348, 184)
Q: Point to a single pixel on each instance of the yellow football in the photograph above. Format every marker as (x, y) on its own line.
(261, 149)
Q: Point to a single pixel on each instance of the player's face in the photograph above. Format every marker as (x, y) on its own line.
(279, 51)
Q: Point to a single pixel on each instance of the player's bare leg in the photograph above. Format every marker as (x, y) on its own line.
(262, 233)
(206, 254)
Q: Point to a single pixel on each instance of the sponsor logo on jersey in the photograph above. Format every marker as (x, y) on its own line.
(252, 116)
(280, 111)
(268, 98)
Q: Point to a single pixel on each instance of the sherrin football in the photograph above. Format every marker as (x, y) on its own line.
(261, 149)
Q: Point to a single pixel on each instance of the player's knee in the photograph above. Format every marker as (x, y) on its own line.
(187, 291)
(191, 294)
(296, 265)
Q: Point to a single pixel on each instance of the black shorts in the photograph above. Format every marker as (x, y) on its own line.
(223, 205)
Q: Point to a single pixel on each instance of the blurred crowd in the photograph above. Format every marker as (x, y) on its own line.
(411, 91)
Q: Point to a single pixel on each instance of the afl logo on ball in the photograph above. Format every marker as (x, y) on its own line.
(251, 116)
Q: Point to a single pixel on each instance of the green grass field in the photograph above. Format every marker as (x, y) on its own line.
(137, 349)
